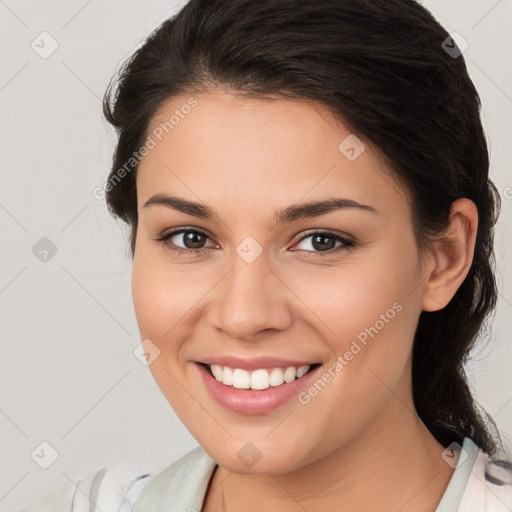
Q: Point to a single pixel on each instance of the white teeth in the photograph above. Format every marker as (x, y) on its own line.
(302, 370)
(217, 371)
(258, 379)
(290, 374)
(276, 377)
(241, 379)
(227, 376)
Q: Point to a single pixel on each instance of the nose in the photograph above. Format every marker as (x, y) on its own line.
(250, 299)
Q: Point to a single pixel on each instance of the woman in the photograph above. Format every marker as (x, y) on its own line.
(311, 219)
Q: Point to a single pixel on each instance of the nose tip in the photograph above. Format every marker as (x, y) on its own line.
(249, 301)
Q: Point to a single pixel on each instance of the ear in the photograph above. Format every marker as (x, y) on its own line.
(452, 256)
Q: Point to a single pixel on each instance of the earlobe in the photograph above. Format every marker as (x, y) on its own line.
(453, 256)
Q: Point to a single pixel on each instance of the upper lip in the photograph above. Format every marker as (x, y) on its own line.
(254, 363)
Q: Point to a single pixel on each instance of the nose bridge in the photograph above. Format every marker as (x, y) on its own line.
(248, 302)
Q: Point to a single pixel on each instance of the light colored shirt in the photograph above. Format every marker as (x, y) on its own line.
(475, 486)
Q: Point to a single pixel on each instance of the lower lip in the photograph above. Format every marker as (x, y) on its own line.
(257, 401)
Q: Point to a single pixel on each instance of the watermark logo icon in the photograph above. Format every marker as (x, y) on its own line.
(146, 352)
(44, 455)
(44, 45)
(455, 45)
(44, 250)
(351, 147)
(249, 249)
(449, 455)
(249, 454)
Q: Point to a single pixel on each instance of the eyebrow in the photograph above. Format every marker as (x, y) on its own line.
(292, 213)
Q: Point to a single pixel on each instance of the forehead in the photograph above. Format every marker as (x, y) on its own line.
(217, 144)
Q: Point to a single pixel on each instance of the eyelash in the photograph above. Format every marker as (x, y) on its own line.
(347, 243)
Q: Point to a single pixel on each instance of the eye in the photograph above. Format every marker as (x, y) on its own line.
(324, 242)
(192, 240)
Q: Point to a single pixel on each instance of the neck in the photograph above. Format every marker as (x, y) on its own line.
(394, 463)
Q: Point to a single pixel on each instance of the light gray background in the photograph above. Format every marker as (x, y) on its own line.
(68, 374)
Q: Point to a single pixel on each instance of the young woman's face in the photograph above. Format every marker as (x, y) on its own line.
(261, 283)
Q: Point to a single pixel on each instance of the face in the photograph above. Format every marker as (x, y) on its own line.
(250, 279)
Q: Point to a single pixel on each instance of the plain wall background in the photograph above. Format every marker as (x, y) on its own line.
(68, 373)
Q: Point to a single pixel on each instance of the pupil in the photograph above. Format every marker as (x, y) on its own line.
(317, 244)
(191, 243)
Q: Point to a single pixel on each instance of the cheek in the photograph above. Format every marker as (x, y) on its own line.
(367, 310)
(162, 296)
(152, 298)
(368, 316)
(358, 291)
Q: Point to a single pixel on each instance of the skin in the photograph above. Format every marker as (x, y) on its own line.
(358, 444)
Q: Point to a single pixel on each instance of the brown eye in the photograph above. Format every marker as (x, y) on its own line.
(191, 240)
(320, 241)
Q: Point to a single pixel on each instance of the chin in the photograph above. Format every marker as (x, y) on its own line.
(247, 459)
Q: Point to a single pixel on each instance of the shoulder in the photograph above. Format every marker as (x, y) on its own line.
(123, 488)
(114, 489)
(59, 500)
(180, 486)
(489, 487)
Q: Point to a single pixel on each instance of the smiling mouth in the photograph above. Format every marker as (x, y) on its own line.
(257, 380)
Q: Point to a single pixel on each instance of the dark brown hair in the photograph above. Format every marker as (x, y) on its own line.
(382, 66)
